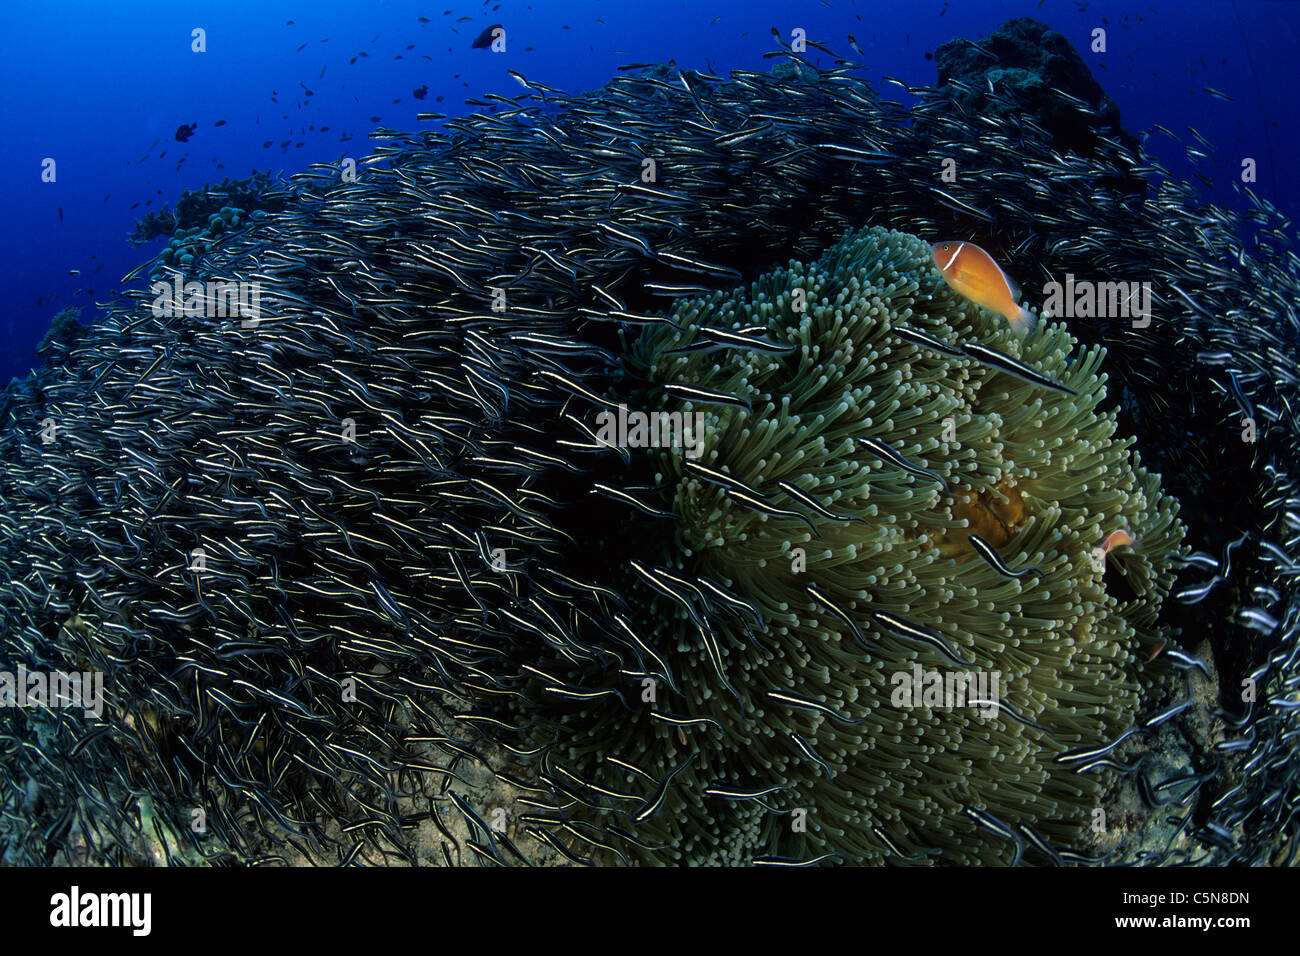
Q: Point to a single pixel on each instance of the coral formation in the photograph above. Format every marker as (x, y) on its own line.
(65, 329)
(1036, 72)
(196, 208)
(202, 216)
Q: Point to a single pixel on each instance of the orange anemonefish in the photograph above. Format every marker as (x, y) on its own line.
(972, 273)
(1118, 539)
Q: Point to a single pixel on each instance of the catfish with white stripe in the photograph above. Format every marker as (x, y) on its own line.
(1005, 363)
(990, 554)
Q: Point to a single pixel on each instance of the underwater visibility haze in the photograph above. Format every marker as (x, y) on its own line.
(749, 434)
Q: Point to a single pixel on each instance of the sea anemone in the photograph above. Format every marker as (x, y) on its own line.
(1039, 473)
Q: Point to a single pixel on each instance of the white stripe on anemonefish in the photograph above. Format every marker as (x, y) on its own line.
(960, 247)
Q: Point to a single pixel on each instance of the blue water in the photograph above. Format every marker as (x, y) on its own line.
(101, 89)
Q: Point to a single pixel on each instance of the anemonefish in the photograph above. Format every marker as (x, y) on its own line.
(972, 273)
(1118, 539)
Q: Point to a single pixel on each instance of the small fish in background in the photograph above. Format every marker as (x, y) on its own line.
(185, 131)
(972, 273)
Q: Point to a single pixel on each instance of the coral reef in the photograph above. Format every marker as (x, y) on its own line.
(325, 561)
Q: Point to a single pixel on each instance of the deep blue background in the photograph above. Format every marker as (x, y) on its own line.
(101, 88)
